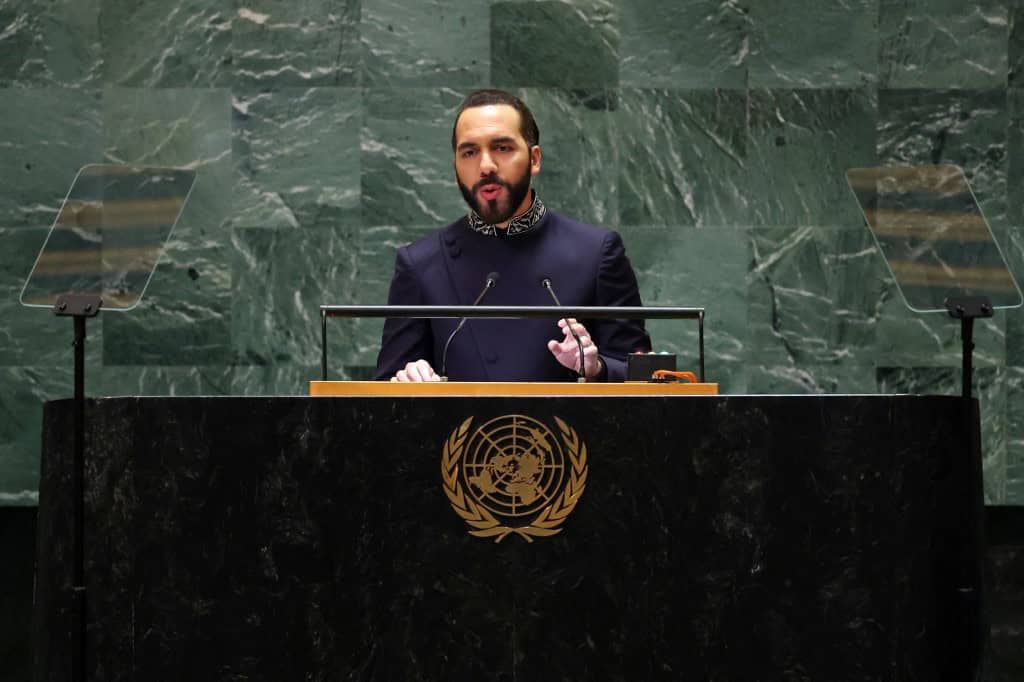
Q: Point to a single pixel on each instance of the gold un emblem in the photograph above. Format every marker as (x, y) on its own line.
(513, 475)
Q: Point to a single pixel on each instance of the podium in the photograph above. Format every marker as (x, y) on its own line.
(319, 538)
(507, 388)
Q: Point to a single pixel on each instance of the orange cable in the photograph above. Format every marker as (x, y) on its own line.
(681, 376)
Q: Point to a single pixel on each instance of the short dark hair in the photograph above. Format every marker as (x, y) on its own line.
(483, 98)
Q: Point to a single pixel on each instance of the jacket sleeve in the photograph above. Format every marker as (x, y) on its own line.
(404, 340)
(617, 286)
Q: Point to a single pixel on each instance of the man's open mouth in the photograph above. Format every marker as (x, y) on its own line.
(490, 191)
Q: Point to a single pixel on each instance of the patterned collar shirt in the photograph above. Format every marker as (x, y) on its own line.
(524, 222)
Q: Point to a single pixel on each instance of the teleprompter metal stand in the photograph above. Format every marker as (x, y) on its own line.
(100, 254)
(967, 309)
(939, 249)
(969, 592)
(79, 307)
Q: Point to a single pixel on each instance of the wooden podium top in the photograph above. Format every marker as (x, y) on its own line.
(496, 388)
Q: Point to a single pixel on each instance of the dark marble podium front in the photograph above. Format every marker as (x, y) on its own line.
(719, 538)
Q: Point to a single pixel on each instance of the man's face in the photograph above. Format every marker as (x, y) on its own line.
(493, 164)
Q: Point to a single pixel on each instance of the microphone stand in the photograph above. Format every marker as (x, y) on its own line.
(546, 283)
(492, 279)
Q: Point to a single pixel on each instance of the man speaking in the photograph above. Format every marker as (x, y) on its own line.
(509, 250)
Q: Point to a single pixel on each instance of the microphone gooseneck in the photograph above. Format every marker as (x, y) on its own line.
(492, 279)
(546, 283)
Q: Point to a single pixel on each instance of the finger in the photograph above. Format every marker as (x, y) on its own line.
(427, 371)
(401, 376)
(566, 357)
(575, 327)
(419, 372)
(570, 340)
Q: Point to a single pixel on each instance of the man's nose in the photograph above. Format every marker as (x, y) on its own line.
(487, 165)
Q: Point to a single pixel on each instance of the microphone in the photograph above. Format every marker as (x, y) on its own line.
(546, 283)
(492, 279)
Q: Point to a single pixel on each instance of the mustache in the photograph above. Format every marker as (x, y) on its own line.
(491, 180)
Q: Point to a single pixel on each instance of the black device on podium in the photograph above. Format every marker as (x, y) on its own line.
(100, 254)
(940, 252)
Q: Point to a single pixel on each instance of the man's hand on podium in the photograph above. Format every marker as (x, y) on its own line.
(416, 371)
(567, 352)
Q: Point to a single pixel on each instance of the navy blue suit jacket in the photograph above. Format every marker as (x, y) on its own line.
(587, 266)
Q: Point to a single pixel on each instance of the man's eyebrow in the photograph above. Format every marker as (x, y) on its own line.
(505, 139)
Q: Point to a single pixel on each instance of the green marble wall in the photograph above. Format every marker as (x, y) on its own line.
(713, 135)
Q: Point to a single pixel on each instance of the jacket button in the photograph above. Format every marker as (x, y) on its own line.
(455, 251)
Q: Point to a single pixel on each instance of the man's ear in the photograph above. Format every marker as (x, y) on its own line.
(535, 159)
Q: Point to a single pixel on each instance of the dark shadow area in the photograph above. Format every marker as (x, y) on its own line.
(17, 563)
(1005, 530)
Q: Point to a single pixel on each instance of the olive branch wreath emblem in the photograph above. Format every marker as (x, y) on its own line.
(547, 523)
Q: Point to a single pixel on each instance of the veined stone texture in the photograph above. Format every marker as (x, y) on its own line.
(714, 135)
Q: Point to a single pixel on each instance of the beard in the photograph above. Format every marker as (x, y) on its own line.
(494, 211)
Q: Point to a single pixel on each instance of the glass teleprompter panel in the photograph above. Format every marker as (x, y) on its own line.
(109, 234)
(933, 236)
